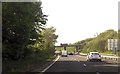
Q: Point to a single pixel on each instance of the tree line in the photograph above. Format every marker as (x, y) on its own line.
(24, 32)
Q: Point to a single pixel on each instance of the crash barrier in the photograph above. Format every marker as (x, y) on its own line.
(115, 58)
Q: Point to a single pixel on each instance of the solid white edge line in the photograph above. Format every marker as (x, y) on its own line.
(51, 64)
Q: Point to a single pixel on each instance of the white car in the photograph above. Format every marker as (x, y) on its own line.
(64, 53)
(93, 56)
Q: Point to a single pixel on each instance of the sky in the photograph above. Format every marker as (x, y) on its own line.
(76, 20)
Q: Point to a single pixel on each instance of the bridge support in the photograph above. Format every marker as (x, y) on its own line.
(64, 47)
(76, 49)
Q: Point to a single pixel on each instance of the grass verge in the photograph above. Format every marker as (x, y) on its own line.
(26, 65)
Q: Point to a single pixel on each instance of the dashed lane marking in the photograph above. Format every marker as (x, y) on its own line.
(84, 64)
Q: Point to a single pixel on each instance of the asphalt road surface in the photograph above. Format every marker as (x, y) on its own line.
(78, 63)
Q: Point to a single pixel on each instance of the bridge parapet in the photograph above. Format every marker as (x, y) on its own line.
(77, 46)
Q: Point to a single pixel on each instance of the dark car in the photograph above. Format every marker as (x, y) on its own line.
(70, 53)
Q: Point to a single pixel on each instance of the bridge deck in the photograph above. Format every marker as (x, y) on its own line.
(69, 46)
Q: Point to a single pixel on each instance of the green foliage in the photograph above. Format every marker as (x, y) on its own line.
(119, 34)
(49, 38)
(24, 34)
(59, 48)
(84, 42)
(20, 26)
(98, 43)
(71, 49)
(118, 53)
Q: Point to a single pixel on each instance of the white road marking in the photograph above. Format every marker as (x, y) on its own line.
(84, 64)
(51, 64)
(97, 72)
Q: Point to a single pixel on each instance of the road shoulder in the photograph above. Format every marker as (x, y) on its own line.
(46, 66)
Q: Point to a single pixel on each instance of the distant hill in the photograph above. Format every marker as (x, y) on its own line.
(98, 43)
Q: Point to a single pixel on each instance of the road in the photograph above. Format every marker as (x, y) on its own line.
(78, 63)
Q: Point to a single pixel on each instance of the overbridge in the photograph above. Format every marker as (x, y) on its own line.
(77, 46)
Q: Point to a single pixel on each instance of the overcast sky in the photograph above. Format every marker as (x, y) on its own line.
(76, 20)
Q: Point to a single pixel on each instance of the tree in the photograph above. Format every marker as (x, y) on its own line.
(49, 37)
(84, 42)
(21, 22)
(119, 34)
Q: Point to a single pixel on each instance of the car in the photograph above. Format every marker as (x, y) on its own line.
(64, 53)
(70, 53)
(93, 56)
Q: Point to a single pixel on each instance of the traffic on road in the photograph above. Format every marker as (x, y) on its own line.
(80, 63)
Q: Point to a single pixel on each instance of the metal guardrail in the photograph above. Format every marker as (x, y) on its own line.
(115, 58)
